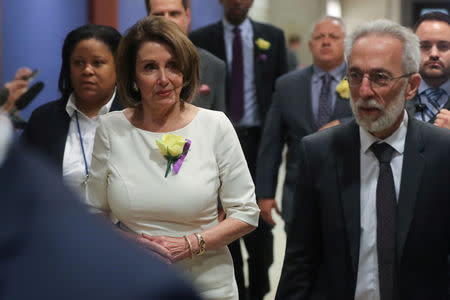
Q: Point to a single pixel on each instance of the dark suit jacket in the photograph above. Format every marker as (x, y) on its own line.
(268, 64)
(289, 119)
(51, 249)
(411, 106)
(47, 129)
(213, 73)
(323, 242)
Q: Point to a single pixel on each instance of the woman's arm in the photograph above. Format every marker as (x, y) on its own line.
(236, 192)
(177, 248)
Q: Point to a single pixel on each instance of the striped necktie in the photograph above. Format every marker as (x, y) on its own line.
(433, 106)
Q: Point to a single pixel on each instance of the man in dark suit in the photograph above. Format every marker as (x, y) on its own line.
(432, 102)
(372, 208)
(51, 249)
(294, 113)
(255, 55)
(211, 92)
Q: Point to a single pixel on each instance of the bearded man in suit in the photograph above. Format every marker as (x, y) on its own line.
(372, 208)
(304, 101)
(255, 55)
(432, 102)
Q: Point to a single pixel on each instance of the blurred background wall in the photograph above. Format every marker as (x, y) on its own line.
(32, 31)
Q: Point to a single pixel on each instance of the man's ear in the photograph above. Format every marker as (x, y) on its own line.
(188, 20)
(413, 85)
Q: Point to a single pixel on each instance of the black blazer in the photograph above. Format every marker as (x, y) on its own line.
(323, 242)
(47, 129)
(52, 249)
(268, 64)
(289, 119)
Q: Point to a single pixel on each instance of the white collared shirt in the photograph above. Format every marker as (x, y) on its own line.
(367, 284)
(74, 171)
(251, 116)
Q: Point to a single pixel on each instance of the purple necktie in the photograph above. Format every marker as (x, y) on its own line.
(324, 101)
(237, 79)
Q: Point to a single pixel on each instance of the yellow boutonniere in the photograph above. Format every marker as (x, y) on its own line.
(343, 89)
(262, 44)
(174, 148)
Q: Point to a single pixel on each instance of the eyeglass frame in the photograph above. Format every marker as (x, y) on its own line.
(388, 80)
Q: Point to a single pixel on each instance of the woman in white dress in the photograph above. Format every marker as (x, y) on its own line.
(160, 166)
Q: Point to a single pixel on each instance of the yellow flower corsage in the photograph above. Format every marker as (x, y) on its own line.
(262, 44)
(343, 89)
(174, 148)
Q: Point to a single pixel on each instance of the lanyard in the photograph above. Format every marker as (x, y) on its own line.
(86, 168)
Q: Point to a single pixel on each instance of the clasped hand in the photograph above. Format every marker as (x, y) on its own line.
(168, 249)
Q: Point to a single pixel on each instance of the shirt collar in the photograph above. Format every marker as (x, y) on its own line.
(423, 86)
(246, 26)
(337, 73)
(71, 106)
(396, 140)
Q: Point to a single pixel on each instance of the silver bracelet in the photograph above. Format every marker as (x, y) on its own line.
(201, 243)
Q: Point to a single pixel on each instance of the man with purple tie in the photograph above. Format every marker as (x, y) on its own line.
(255, 55)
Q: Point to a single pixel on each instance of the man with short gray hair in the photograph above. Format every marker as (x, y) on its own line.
(372, 208)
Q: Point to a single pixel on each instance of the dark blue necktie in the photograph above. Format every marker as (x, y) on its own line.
(386, 222)
(237, 79)
(432, 105)
(325, 108)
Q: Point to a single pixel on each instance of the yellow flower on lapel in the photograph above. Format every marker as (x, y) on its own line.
(343, 89)
(262, 44)
(171, 144)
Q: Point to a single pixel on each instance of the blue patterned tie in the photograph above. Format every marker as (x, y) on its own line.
(433, 106)
(325, 108)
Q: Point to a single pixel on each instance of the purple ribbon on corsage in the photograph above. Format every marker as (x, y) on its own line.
(179, 161)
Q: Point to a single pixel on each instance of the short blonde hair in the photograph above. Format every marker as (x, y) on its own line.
(157, 29)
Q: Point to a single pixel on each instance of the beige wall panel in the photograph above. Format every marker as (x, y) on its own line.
(355, 12)
(299, 15)
(293, 16)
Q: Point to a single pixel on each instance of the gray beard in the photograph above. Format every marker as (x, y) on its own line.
(389, 115)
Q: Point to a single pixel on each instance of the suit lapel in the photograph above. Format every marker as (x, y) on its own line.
(61, 125)
(411, 106)
(413, 164)
(218, 42)
(340, 107)
(305, 88)
(348, 171)
(258, 63)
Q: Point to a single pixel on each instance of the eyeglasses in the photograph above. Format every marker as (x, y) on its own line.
(379, 79)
